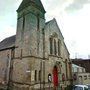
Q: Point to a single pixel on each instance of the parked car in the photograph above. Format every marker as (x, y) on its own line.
(80, 87)
(88, 86)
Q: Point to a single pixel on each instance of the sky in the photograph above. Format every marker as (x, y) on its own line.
(73, 18)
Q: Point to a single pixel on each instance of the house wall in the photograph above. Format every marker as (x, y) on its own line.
(85, 78)
(82, 77)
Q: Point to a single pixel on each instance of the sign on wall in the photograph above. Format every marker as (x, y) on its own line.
(32, 75)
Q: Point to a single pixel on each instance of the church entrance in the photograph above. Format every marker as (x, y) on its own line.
(55, 77)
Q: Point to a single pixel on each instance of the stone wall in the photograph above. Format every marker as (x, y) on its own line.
(5, 59)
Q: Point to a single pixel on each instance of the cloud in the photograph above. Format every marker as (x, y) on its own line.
(8, 6)
(7, 31)
(76, 5)
(54, 8)
(8, 17)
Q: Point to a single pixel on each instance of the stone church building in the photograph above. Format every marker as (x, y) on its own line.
(36, 58)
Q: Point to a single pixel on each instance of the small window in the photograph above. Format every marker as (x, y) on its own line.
(80, 76)
(49, 78)
(51, 46)
(23, 22)
(88, 76)
(85, 77)
(23, 27)
(58, 47)
(39, 75)
(35, 75)
(55, 48)
(38, 21)
(21, 54)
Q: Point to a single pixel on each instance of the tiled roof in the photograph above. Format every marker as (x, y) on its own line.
(8, 42)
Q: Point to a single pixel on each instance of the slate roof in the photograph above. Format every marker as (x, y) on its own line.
(26, 3)
(8, 42)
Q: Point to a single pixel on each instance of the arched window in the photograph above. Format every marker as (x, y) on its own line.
(58, 47)
(51, 46)
(55, 48)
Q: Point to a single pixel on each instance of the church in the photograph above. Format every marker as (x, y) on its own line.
(36, 58)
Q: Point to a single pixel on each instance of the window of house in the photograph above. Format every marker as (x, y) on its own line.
(58, 47)
(21, 54)
(55, 48)
(88, 76)
(80, 76)
(23, 26)
(23, 22)
(51, 46)
(35, 75)
(38, 22)
(85, 77)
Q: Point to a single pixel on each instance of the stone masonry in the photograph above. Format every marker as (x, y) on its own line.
(38, 48)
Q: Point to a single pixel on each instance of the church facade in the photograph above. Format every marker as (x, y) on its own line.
(36, 58)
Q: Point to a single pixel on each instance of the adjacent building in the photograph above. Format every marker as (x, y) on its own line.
(83, 63)
(35, 58)
(80, 76)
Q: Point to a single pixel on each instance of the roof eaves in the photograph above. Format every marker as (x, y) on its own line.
(7, 48)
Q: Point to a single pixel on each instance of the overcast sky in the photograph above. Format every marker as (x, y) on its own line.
(73, 18)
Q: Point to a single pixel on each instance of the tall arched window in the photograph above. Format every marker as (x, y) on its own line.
(55, 48)
(58, 47)
(51, 46)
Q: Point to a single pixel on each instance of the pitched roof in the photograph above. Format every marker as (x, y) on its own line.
(50, 23)
(8, 42)
(26, 3)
